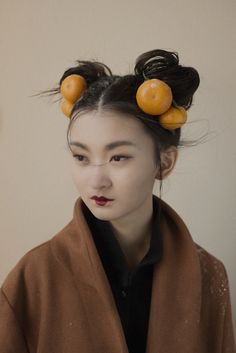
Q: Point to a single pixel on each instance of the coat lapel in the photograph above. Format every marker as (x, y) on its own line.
(176, 293)
(74, 246)
(176, 290)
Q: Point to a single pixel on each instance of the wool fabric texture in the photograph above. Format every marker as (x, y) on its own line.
(58, 299)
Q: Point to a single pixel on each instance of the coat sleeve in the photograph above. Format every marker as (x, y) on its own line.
(11, 337)
(228, 343)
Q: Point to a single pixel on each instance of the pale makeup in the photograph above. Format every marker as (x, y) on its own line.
(126, 173)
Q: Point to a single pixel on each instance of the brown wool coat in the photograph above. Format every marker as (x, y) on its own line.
(57, 299)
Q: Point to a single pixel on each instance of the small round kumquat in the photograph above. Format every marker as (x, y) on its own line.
(66, 107)
(72, 87)
(173, 118)
(154, 96)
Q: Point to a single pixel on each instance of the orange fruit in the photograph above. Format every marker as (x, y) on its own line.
(72, 87)
(173, 118)
(66, 107)
(154, 96)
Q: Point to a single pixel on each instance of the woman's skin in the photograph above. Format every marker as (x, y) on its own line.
(128, 181)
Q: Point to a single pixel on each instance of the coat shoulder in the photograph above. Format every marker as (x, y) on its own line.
(35, 265)
(31, 267)
(208, 258)
(215, 282)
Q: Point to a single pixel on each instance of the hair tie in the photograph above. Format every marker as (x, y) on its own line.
(71, 89)
(155, 97)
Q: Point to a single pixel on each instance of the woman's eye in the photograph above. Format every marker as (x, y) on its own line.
(120, 156)
(80, 157)
(77, 156)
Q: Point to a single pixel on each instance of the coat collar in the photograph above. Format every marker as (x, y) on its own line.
(176, 290)
(110, 251)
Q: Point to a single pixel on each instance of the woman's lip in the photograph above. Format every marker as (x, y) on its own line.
(102, 202)
(101, 199)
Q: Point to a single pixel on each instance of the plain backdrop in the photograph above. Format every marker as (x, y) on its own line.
(39, 40)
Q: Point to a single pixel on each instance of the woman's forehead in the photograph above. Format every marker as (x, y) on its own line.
(106, 126)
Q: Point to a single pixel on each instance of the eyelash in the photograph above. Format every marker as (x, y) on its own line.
(120, 156)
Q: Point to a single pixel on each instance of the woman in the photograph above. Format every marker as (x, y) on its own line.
(124, 275)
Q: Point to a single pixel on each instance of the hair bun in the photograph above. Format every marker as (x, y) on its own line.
(90, 70)
(165, 66)
(155, 61)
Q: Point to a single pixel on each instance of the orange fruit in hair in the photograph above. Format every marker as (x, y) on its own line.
(173, 118)
(72, 87)
(154, 96)
(66, 107)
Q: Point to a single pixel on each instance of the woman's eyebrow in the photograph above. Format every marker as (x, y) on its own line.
(108, 147)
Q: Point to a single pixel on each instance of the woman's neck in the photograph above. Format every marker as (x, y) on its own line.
(134, 234)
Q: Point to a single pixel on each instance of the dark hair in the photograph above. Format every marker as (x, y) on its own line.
(118, 93)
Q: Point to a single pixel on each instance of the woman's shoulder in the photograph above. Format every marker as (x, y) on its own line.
(38, 267)
(214, 275)
(31, 263)
(37, 262)
(209, 261)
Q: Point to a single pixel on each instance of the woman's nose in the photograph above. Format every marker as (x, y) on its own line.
(99, 174)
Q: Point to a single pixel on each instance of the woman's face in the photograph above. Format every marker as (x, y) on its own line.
(124, 173)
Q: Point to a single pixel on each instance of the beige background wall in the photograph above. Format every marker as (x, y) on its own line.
(40, 39)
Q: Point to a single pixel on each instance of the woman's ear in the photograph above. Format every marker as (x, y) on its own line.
(168, 160)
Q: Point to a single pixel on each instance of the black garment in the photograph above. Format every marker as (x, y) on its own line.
(131, 287)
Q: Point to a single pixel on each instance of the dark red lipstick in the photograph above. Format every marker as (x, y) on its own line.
(101, 200)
